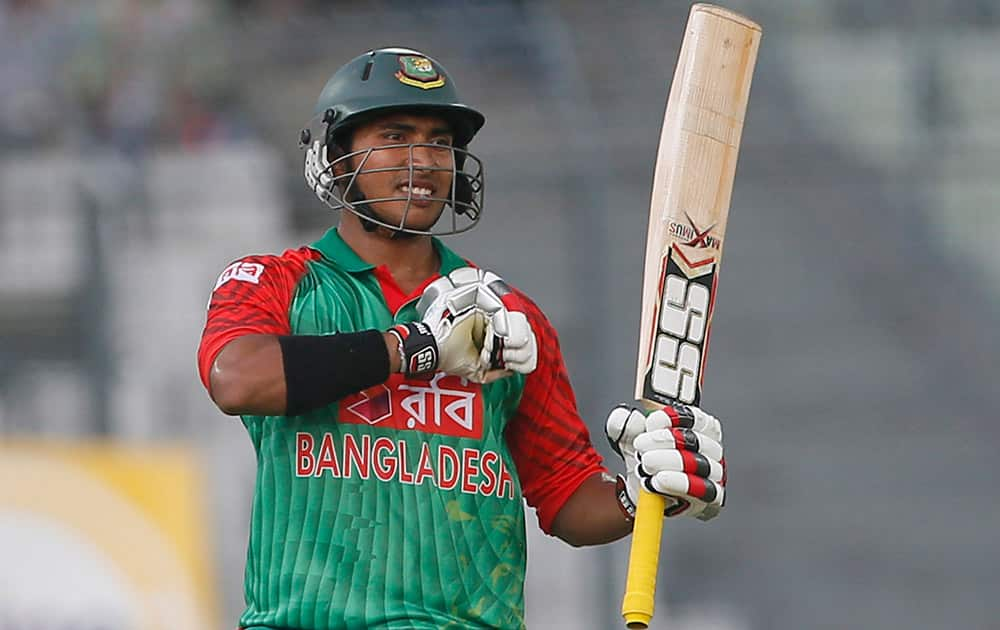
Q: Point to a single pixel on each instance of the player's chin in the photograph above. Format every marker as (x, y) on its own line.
(417, 214)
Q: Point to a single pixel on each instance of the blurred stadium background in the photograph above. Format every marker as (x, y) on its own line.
(144, 144)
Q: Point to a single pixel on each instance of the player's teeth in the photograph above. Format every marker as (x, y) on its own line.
(417, 190)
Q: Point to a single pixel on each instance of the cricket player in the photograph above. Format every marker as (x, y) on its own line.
(402, 402)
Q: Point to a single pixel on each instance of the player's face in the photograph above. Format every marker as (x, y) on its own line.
(390, 137)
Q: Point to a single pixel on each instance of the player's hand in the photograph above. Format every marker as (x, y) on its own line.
(470, 328)
(676, 452)
(449, 336)
(510, 344)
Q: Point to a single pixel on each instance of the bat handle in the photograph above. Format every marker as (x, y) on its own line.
(644, 557)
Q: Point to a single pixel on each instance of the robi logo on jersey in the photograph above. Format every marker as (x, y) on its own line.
(446, 405)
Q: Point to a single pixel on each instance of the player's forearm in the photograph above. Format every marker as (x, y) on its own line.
(272, 375)
(592, 515)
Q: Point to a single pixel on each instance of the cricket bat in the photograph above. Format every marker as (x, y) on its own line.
(692, 186)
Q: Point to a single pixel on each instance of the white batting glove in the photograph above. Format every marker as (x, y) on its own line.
(676, 452)
(449, 337)
(510, 344)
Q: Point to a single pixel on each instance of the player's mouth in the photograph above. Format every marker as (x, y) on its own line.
(420, 193)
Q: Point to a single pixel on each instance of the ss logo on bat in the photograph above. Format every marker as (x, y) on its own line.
(682, 326)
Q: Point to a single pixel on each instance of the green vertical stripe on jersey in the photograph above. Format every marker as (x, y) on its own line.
(328, 553)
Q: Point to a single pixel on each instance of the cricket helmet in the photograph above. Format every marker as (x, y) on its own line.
(380, 82)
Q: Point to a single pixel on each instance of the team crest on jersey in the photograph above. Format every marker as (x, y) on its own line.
(419, 72)
(241, 271)
(446, 405)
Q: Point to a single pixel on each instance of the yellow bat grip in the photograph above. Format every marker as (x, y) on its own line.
(644, 557)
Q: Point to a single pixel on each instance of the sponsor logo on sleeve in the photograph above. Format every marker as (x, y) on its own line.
(241, 271)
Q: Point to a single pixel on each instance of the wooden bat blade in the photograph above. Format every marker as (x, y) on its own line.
(689, 207)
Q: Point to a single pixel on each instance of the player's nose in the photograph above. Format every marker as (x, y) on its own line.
(428, 155)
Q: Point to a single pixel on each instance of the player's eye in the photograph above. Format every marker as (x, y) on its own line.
(443, 141)
(394, 136)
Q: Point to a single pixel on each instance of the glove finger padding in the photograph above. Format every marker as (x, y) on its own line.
(465, 275)
(679, 439)
(486, 289)
(685, 417)
(510, 343)
(468, 286)
(623, 425)
(691, 495)
(682, 485)
(681, 456)
(489, 298)
(433, 293)
(684, 462)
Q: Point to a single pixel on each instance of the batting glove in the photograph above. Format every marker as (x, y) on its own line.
(676, 452)
(510, 344)
(449, 337)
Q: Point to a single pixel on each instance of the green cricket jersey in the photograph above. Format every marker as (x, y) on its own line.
(399, 506)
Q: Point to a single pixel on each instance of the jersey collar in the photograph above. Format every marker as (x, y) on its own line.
(334, 249)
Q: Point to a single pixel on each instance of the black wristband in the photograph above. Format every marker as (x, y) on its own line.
(322, 369)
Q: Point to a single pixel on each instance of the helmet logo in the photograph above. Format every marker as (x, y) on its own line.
(418, 72)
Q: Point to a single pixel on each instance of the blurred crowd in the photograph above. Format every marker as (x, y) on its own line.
(127, 73)
(119, 73)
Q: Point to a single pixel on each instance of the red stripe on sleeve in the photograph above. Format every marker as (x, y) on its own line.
(252, 296)
(548, 440)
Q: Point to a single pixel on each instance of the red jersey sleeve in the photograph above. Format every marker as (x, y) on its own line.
(548, 440)
(251, 296)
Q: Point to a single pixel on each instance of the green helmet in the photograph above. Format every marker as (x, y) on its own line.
(377, 83)
(394, 78)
